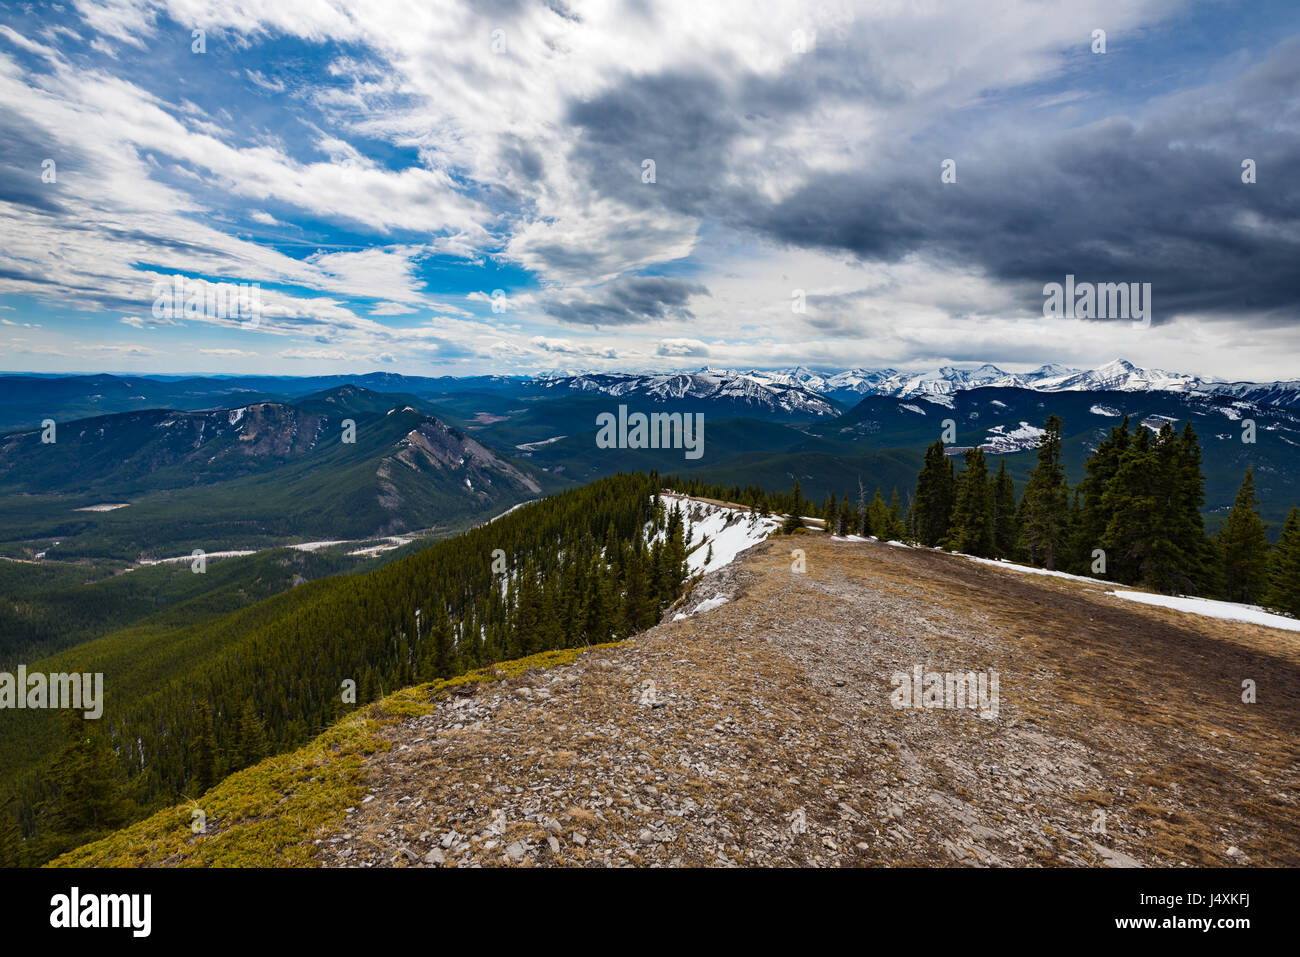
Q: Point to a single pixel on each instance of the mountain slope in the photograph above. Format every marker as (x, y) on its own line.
(760, 731)
(346, 463)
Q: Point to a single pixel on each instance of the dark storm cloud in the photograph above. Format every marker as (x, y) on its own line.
(1155, 198)
(625, 301)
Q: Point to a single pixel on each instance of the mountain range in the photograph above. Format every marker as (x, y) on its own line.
(793, 385)
(787, 395)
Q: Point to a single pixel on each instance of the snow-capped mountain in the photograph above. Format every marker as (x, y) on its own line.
(765, 393)
(801, 391)
(1120, 375)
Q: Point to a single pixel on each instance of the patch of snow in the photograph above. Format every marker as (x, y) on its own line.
(707, 605)
(1226, 610)
(102, 508)
(534, 446)
(1031, 570)
(729, 531)
(1106, 411)
(235, 415)
(912, 408)
(1001, 442)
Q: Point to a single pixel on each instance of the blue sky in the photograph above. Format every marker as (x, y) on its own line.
(382, 170)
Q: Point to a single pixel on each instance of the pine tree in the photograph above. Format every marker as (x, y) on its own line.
(11, 836)
(933, 502)
(1186, 566)
(207, 754)
(1005, 530)
(844, 520)
(1245, 546)
(1284, 568)
(250, 738)
(1094, 517)
(88, 793)
(1045, 506)
(972, 518)
(896, 527)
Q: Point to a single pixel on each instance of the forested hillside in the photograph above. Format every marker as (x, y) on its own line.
(184, 707)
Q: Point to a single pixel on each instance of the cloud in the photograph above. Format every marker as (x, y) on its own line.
(681, 348)
(625, 301)
(407, 162)
(144, 322)
(567, 348)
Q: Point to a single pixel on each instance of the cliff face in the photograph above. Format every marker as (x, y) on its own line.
(761, 729)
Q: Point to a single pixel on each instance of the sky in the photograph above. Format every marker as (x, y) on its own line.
(448, 188)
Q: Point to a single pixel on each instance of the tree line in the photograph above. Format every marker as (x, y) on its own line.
(1135, 518)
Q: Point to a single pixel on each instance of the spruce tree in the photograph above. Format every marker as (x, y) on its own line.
(1005, 531)
(1045, 507)
(1094, 517)
(88, 793)
(11, 836)
(896, 527)
(1245, 546)
(207, 754)
(932, 504)
(972, 518)
(250, 738)
(1284, 568)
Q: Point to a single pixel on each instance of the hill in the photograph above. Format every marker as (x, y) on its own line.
(189, 697)
(343, 464)
(756, 725)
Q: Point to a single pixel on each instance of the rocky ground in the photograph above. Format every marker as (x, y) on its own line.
(760, 731)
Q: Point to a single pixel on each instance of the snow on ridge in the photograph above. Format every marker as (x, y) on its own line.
(728, 530)
(1210, 608)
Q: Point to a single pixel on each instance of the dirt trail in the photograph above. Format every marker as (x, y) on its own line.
(768, 737)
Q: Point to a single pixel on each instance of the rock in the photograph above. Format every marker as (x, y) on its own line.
(895, 812)
(435, 857)
(449, 839)
(650, 695)
(516, 850)
(554, 842)
(798, 821)
(1234, 852)
(578, 839)
(647, 836)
